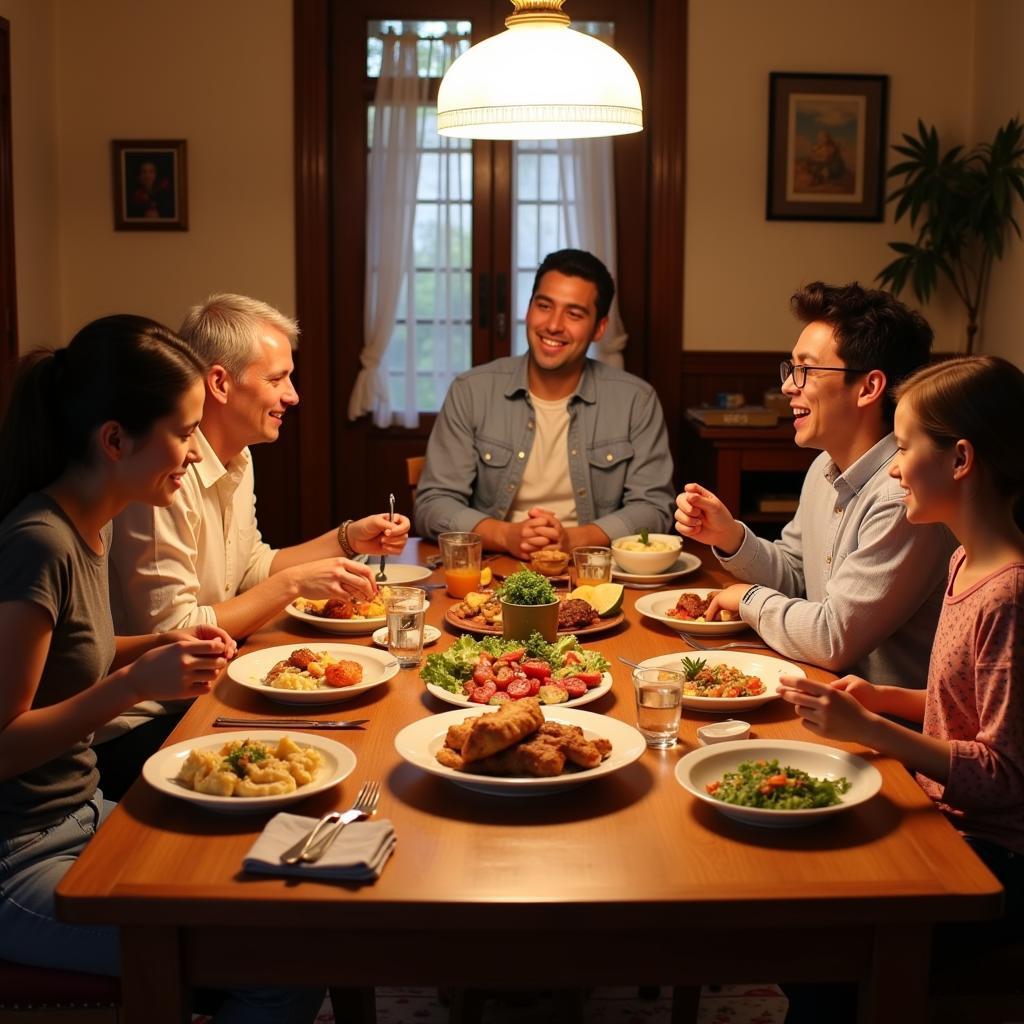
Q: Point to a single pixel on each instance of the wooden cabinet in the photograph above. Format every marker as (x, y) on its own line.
(742, 465)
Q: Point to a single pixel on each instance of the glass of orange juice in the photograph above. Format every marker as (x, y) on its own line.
(593, 565)
(461, 553)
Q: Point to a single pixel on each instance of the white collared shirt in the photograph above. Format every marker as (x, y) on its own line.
(168, 566)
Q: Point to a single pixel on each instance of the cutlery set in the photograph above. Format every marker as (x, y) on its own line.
(312, 847)
(287, 723)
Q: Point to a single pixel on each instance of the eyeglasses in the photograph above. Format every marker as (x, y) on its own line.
(799, 371)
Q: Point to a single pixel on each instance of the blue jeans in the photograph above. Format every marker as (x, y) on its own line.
(32, 865)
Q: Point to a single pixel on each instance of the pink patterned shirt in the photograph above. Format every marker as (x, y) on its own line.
(976, 701)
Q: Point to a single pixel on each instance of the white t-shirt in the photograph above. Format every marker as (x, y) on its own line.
(546, 479)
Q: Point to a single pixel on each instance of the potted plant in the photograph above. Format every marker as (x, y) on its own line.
(961, 203)
(528, 605)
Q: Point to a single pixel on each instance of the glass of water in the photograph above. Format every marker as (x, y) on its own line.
(405, 608)
(659, 694)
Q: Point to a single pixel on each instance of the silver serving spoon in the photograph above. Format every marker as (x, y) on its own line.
(381, 576)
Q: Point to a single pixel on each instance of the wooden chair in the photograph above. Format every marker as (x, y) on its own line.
(44, 995)
(413, 471)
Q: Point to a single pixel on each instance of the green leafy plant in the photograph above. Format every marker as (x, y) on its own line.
(961, 204)
(527, 587)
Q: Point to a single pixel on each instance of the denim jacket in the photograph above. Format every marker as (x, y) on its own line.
(619, 459)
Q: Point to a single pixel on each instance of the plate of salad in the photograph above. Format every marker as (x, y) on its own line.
(490, 670)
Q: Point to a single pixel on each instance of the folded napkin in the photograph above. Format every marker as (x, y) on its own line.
(357, 853)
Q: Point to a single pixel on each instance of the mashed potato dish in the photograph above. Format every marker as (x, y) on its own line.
(246, 768)
(639, 545)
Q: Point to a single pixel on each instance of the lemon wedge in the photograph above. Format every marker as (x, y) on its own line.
(585, 593)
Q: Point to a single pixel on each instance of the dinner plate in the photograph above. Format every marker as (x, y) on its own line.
(162, 768)
(348, 627)
(766, 667)
(708, 764)
(684, 565)
(656, 606)
(250, 669)
(468, 626)
(418, 743)
(431, 634)
(464, 702)
(400, 573)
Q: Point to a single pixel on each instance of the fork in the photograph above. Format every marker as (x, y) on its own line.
(381, 576)
(312, 847)
(698, 646)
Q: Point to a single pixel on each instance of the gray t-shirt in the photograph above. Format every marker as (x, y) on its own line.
(44, 560)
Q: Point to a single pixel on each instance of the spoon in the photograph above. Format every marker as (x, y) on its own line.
(381, 576)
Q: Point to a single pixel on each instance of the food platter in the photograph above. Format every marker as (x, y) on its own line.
(345, 627)
(656, 606)
(684, 565)
(417, 744)
(468, 626)
(464, 702)
(766, 667)
(697, 769)
(250, 669)
(161, 769)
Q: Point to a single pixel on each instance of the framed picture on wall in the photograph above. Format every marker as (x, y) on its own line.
(826, 146)
(150, 185)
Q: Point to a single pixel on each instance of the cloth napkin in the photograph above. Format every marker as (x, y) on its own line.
(358, 852)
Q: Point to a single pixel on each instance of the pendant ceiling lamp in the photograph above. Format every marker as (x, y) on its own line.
(539, 79)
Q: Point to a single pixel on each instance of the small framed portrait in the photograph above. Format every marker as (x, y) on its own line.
(150, 185)
(826, 146)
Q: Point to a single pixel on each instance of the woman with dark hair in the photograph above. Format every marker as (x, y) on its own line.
(88, 429)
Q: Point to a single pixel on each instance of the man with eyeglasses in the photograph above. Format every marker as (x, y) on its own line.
(850, 585)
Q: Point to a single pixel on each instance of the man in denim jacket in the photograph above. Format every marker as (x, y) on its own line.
(550, 449)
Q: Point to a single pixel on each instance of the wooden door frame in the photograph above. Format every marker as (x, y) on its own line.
(657, 356)
(8, 286)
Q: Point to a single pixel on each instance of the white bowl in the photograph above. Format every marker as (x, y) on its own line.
(647, 562)
(723, 732)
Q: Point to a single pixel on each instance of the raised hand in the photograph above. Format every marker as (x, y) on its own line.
(376, 535)
(701, 515)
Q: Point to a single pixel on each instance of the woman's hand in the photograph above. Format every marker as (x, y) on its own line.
(376, 535)
(203, 631)
(831, 709)
(173, 671)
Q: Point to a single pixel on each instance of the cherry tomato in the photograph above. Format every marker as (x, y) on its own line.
(536, 668)
(482, 694)
(592, 679)
(572, 658)
(518, 688)
(514, 655)
(535, 685)
(574, 686)
(503, 675)
(482, 674)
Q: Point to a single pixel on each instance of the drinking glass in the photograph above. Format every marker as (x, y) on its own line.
(461, 558)
(405, 608)
(659, 694)
(593, 566)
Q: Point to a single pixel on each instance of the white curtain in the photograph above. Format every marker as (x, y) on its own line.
(586, 172)
(392, 176)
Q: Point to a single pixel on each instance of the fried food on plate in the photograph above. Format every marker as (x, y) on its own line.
(495, 732)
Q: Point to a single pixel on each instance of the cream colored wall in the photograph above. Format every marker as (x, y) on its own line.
(216, 74)
(34, 142)
(740, 267)
(999, 95)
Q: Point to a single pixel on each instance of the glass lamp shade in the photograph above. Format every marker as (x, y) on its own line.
(539, 81)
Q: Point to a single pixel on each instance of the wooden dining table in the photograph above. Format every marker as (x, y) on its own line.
(625, 879)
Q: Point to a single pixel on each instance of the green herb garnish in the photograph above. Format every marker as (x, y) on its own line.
(692, 666)
(527, 587)
(645, 538)
(237, 759)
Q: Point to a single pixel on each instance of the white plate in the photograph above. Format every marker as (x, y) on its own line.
(685, 564)
(431, 634)
(464, 702)
(250, 669)
(708, 764)
(162, 768)
(764, 666)
(419, 742)
(399, 573)
(349, 627)
(656, 606)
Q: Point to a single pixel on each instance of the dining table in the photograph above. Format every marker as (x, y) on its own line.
(623, 879)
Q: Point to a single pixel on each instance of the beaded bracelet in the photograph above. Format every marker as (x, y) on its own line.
(346, 548)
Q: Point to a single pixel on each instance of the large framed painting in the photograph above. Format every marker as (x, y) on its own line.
(150, 185)
(826, 146)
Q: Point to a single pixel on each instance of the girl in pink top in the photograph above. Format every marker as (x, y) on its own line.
(961, 462)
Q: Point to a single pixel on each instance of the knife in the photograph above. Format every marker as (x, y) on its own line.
(289, 723)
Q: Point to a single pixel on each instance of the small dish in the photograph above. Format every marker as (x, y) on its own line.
(647, 562)
(431, 634)
(549, 562)
(722, 732)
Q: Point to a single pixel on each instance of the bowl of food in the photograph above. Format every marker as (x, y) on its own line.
(646, 553)
(549, 562)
